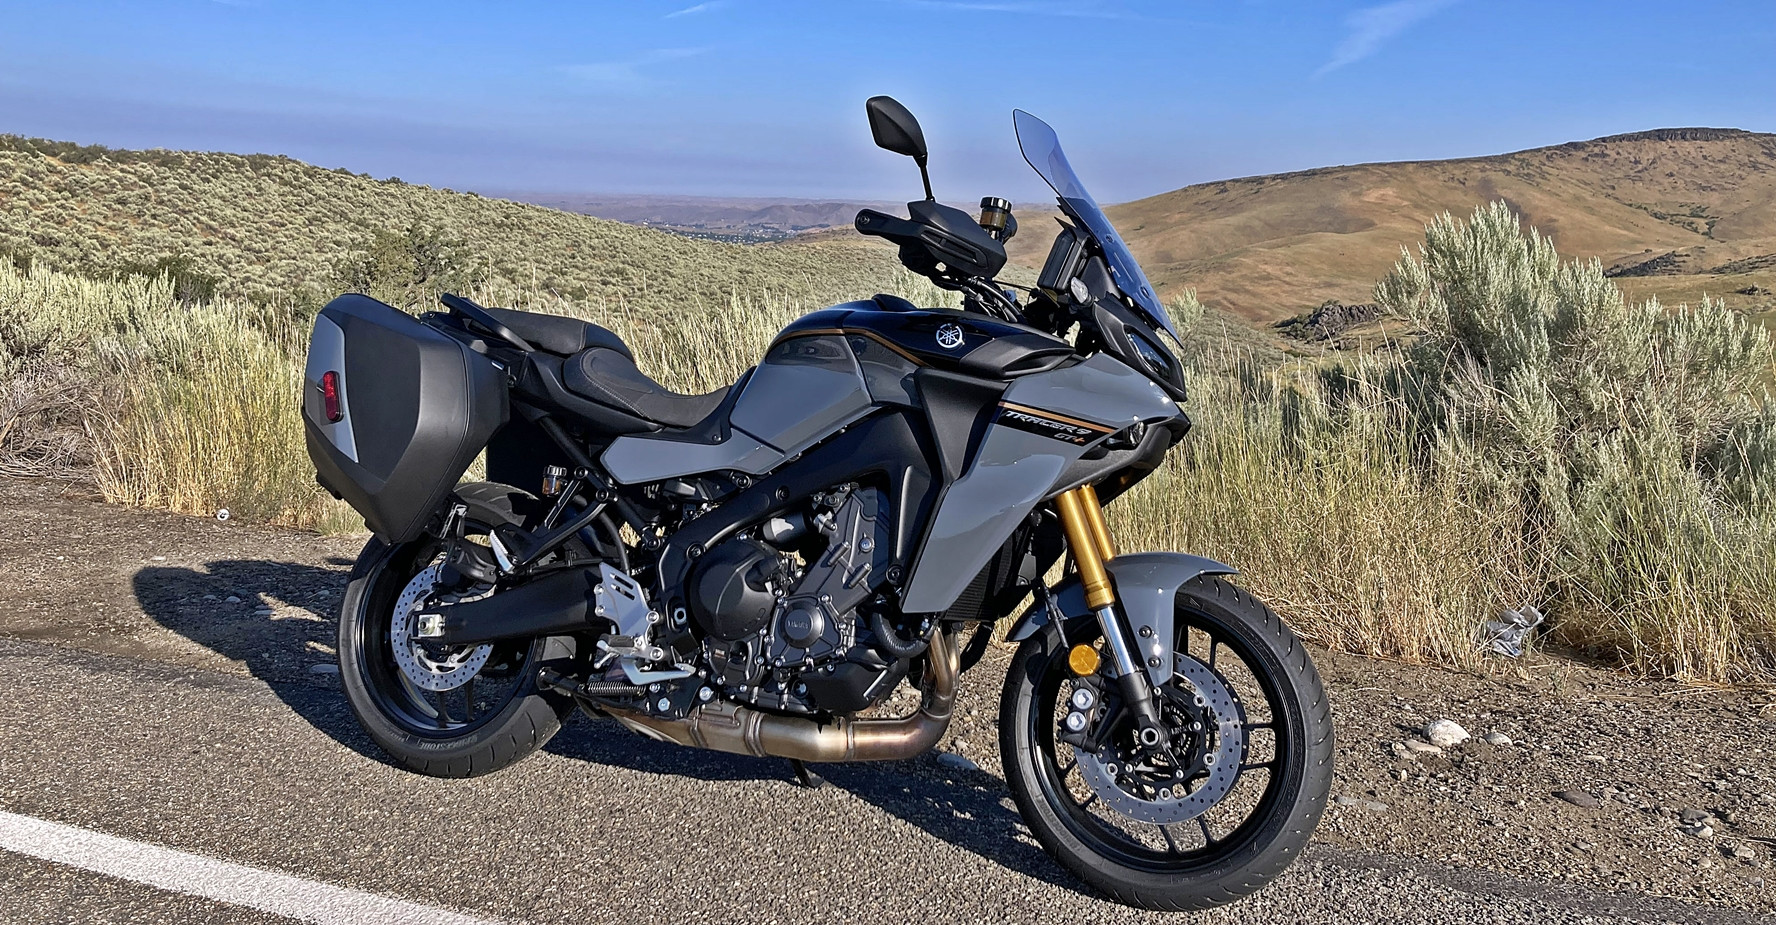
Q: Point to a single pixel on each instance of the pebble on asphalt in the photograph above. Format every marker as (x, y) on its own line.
(323, 668)
(958, 762)
(1497, 740)
(1446, 733)
(1422, 748)
(1579, 798)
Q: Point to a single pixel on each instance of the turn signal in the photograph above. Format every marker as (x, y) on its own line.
(330, 396)
(1083, 660)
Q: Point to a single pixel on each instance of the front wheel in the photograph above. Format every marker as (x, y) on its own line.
(1212, 814)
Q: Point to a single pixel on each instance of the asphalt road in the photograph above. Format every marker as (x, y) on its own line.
(601, 827)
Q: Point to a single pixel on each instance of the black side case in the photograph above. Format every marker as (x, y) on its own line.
(417, 407)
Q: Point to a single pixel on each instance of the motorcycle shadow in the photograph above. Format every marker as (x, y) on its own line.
(970, 809)
(282, 647)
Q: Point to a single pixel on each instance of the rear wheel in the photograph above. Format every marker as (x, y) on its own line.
(444, 711)
(1224, 806)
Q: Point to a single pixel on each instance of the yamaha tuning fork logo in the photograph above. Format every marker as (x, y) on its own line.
(949, 336)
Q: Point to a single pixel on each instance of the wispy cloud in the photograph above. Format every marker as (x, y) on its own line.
(1372, 27)
(1076, 9)
(627, 71)
(699, 8)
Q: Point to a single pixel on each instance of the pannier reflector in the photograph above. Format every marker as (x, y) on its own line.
(330, 396)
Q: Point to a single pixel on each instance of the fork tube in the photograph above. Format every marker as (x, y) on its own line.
(1083, 520)
(1094, 518)
(1082, 517)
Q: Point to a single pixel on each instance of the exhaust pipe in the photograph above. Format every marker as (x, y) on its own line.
(730, 727)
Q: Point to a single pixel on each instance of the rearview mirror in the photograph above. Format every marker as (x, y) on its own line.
(895, 128)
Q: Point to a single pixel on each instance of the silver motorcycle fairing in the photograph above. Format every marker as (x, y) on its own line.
(1016, 468)
(1146, 584)
(805, 389)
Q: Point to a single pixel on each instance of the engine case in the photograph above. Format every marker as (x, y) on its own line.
(815, 631)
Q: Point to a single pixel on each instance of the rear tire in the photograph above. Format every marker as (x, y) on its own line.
(1248, 856)
(525, 718)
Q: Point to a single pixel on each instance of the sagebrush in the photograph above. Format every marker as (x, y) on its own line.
(1540, 440)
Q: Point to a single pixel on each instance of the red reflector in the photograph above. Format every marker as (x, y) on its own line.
(330, 396)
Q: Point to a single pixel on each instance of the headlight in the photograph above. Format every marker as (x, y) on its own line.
(1156, 357)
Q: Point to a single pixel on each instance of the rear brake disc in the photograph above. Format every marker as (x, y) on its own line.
(423, 668)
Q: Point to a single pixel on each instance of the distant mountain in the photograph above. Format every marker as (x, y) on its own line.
(718, 217)
(1674, 212)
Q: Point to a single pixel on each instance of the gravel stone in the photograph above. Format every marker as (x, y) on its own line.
(1446, 733)
(323, 668)
(1422, 748)
(1579, 798)
(231, 599)
(1497, 740)
(951, 760)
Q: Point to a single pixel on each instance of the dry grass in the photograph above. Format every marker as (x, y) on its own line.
(1340, 490)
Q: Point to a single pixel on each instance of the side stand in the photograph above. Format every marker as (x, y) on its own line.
(805, 776)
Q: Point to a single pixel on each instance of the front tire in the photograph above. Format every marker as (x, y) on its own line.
(440, 733)
(1253, 832)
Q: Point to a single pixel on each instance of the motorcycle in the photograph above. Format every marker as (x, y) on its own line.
(756, 570)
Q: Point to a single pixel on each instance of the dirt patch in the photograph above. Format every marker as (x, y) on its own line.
(157, 586)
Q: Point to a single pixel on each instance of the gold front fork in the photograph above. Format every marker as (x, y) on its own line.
(1082, 517)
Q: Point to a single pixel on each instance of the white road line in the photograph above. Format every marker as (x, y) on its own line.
(194, 874)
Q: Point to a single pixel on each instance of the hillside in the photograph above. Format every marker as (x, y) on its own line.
(269, 227)
(1673, 212)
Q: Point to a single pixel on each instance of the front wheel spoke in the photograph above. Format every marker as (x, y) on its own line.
(443, 703)
(1068, 767)
(1202, 822)
(1258, 764)
(1171, 843)
(468, 700)
(1089, 801)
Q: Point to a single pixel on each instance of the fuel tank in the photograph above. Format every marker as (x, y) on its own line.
(951, 340)
(830, 368)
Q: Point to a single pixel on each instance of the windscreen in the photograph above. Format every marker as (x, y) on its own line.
(1043, 150)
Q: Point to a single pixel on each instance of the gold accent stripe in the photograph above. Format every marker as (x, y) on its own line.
(846, 332)
(1057, 417)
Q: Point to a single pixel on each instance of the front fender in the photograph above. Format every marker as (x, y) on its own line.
(1146, 585)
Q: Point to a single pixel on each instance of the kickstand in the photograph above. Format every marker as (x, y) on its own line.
(805, 776)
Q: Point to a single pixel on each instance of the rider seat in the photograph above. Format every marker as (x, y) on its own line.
(601, 368)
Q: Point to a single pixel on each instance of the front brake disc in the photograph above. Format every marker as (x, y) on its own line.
(1173, 804)
(421, 667)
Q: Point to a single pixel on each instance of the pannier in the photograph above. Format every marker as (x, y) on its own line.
(394, 412)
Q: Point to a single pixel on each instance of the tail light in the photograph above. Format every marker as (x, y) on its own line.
(330, 396)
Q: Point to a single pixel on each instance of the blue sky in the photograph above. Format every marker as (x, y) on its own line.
(747, 97)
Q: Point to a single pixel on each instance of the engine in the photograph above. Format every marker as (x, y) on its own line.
(786, 608)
